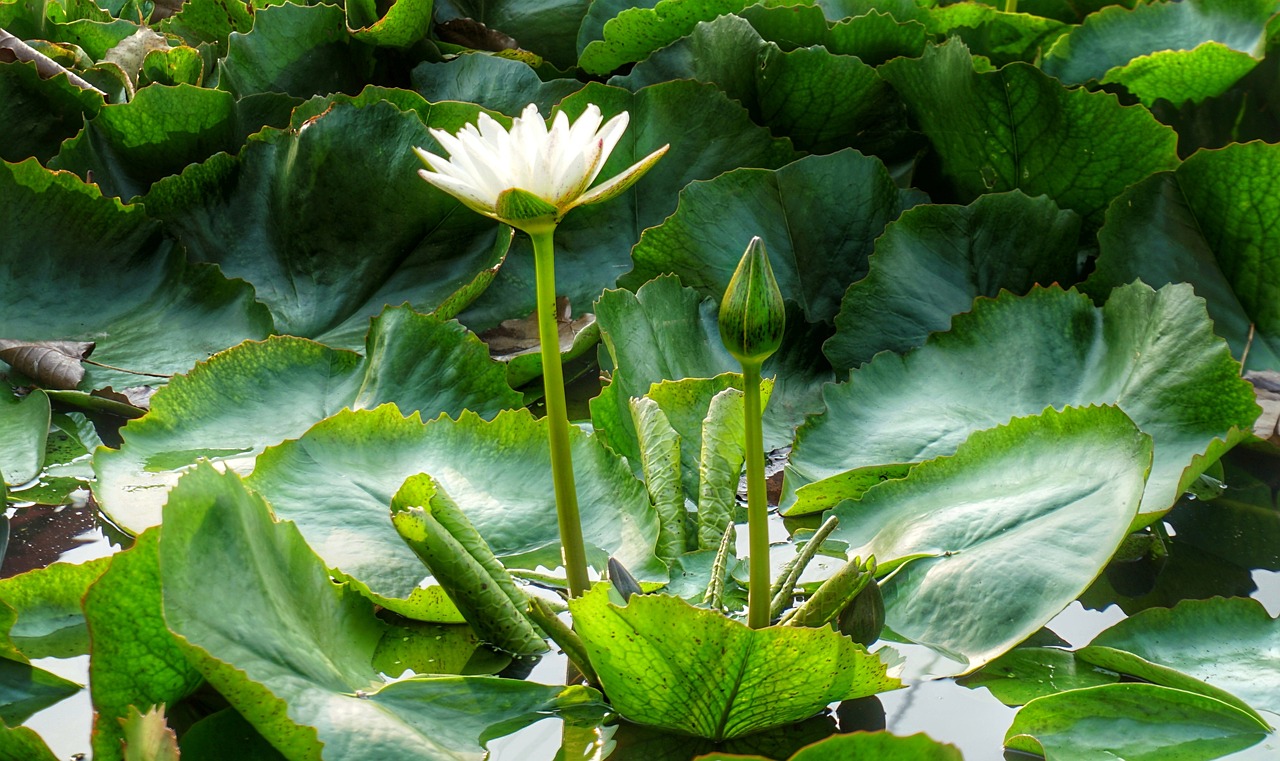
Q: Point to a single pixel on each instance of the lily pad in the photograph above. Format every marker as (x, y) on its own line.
(873, 34)
(136, 660)
(819, 218)
(821, 100)
(24, 427)
(293, 653)
(285, 385)
(37, 114)
(1227, 643)
(337, 482)
(546, 27)
(25, 689)
(51, 622)
(1144, 722)
(1207, 223)
(1115, 36)
(748, 679)
(935, 260)
(498, 84)
(1026, 673)
(997, 539)
(329, 195)
(1150, 352)
(1002, 37)
(636, 32)
(151, 311)
(1020, 128)
(1179, 76)
(881, 746)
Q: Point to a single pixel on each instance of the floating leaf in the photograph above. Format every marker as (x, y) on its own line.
(493, 82)
(1224, 643)
(1151, 352)
(748, 679)
(338, 480)
(25, 689)
(47, 600)
(151, 311)
(136, 660)
(1138, 721)
(881, 746)
(24, 428)
(1002, 37)
(293, 653)
(1000, 537)
(37, 114)
(1019, 128)
(285, 385)
(1026, 673)
(636, 32)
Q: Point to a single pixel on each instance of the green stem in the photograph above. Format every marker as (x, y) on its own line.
(575, 554)
(757, 502)
(1010, 6)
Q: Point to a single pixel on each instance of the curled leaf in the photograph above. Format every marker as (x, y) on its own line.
(52, 364)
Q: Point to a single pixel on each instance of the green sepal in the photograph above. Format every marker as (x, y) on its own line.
(460, 560)
(752, 314)
(525, 211)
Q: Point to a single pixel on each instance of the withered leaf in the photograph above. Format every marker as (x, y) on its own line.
(51, 364)
(472, 34)
(1266, 386)
(515, 337)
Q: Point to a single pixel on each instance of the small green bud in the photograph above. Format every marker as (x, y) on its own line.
(752, 315)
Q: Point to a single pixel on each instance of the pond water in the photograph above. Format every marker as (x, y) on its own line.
(1228, 546)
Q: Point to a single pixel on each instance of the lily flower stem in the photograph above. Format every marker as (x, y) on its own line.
(758, 598)
(1010, 6)
(575, 555)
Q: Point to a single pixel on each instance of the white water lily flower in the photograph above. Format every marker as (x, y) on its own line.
(529, 177)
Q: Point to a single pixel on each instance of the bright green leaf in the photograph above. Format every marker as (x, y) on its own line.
(1141, 722)
(648, 652)
(880, 746)
(1025, 673)
(285, 385)
(1019, 128)
(50, 618)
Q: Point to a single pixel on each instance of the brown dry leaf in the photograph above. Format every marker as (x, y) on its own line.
(520, 336)
(51, 364)
(1266, 386)
(472, 34)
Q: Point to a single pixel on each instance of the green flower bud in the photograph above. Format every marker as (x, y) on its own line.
(752, 315)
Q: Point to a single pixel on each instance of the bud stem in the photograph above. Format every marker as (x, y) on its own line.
(757, 502)
(575, 555)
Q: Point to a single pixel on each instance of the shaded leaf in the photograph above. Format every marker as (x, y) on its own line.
(277, 54)
(24, 429)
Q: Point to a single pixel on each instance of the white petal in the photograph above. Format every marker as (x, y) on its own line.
(459, 189)
(609, 136)
(615, 185)
(578, 175)
(584, 129)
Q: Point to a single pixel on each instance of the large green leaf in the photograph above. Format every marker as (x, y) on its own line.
(329, 221)
(708, 134)
(496, 83)
(399, 25)
(667, 332)
(1026, 673)
(50, 621)
(209, 21)
(421, 363)
(666, 663)
(136, 659)
(636, 32)
(1179, 76)
(1001, 37)
(1116, 36)
(822, 101)
(1019, 128)
(935, 260)
(871, 34)
(302, 50)
(1140, 722)
(1208, 224)
(1153, 353)
(338, 480)
(24, 428)
(1000, 537)
(147, 309)
(1227, 643)
(129, 146)
(292, 651)
(880, 746)
(37, 114)
(819, 218)
(546, 27)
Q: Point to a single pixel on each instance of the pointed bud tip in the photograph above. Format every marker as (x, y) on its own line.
(752, 313)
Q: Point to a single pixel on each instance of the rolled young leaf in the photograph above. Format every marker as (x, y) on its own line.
(462, 562)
